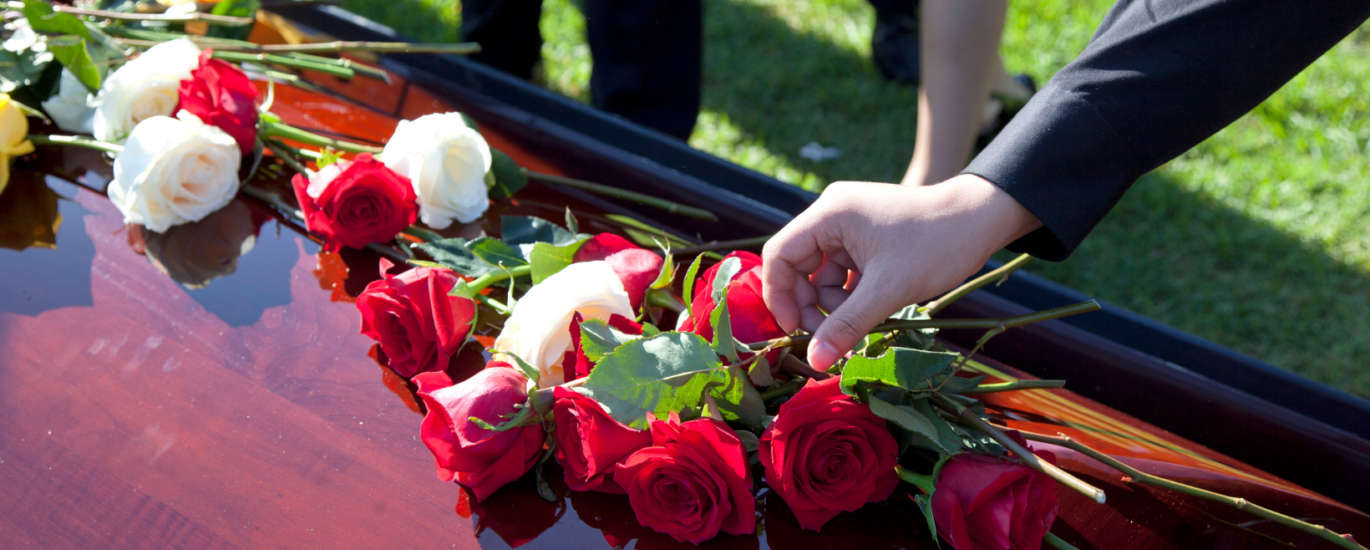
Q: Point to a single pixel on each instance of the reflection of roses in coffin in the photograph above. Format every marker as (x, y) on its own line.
(28, 213)
(194, 254)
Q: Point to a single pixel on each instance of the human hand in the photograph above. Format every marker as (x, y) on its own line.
(863, 251)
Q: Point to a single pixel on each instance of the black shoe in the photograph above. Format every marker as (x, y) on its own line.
(895, 48)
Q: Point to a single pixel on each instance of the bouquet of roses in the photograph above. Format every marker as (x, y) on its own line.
(688, 423)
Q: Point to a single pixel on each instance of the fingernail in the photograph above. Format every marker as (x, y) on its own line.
(822, 355)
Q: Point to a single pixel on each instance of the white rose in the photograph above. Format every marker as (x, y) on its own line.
(71, 107)
(173, 171)
(538, 331)
(143, 88)
(446, 161)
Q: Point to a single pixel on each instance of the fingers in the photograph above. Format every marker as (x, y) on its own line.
(787, 261)
(867, 306)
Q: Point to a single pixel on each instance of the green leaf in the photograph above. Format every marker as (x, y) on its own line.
(906, 417)
(453, 254)
(726, 271)
(572, 224)
(528, 370)
(925, 506)
(44, 19)
(690, 275)
(506, 177)
(958, 384)
(749, 440)
(234, 8)
(548, 259)
(760, 372)
(70, 51)
(649, 329)
(496, 253)
(666, 276)
(723, 328)
(947, 438)
(904, 368)
(470, 122)
(668, 372)
(28, 111)
(326, 157)
(598, 339)
(517, 230)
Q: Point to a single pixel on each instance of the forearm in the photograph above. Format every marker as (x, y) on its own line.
(1158, 78)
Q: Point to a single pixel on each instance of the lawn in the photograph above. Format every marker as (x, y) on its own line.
(1258, 239)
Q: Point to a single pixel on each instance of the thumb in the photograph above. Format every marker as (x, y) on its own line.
(845, 327)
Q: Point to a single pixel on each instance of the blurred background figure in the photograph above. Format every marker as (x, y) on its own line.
(647, 53)
(951, 49)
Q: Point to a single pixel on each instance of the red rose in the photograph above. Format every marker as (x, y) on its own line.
(590, 442)
(479, 459)
(356, 203)
(826, 453)
(418, 325)
(221, 95)
(575, 364)
(986, 502)
(692, 482)
(751, 319)
(636, 268)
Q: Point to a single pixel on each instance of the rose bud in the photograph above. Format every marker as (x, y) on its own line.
(355, 203)
(751, 319)
(987, 502)
(221, 95)
(692, 482)
(479, 459)
(575, 364)
(446, 160)
(637, 268)
(538, 329)
(173, 171)
(590, 442)
(825, 453)
(416, 323)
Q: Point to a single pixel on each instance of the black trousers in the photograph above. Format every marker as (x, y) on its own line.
(647, 53)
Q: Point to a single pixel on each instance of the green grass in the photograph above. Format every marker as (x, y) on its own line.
(1258, 239)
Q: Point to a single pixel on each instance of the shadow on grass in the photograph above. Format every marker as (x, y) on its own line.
(784, 89)
(1194, 263)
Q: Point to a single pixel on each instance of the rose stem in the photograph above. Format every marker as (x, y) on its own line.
(601, 219)
(923, 481)
(672, 207)
(783, 390)
(240, 57)
(283, 152)
(661, 298)
(377, 47)
(1056, 542)
(916, 324)
(969, 417)
(1016, 385)
(490, 278)
(724, 245)
(77, 141)
(277, 129)
(276, 202)
(220, 20)
(1000, 275)
(1135, 476)
(425, 235)
(150, 38)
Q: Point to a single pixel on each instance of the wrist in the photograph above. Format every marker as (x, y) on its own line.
(1000, 218)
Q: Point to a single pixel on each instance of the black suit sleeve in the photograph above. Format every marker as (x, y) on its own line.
(1157, 78)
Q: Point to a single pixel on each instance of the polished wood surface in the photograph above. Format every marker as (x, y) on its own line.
(138, 412)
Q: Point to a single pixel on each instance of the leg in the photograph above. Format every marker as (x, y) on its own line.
(960, 56)
(647, 61)
(507, 31)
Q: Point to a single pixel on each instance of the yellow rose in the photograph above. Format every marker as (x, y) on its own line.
(14, 133)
